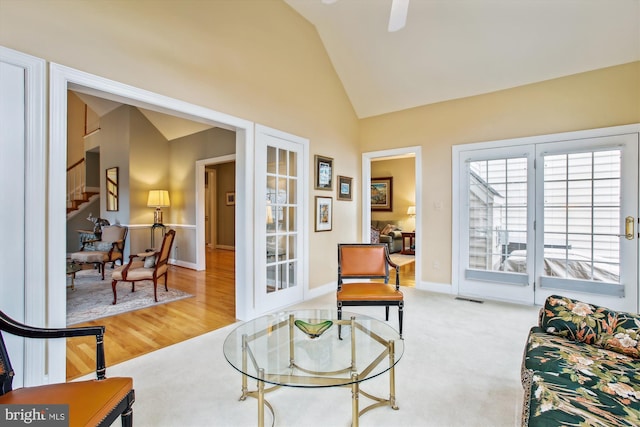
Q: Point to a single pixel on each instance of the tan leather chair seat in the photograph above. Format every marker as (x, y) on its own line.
(89, 401)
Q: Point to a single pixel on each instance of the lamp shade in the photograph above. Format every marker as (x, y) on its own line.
(411, 210)
(158, 199)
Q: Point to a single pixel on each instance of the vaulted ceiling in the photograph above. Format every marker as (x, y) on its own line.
(457, 48)
(452, 49)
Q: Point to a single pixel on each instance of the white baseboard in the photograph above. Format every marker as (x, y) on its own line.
(189, 265)
(441, 288)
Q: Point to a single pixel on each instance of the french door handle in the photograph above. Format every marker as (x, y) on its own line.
(629, 225)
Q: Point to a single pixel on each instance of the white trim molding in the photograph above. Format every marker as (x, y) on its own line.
(35, 186)
(63, 78)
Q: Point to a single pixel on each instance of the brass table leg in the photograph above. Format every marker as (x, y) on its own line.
(245, 389)
(355, 390)
(392, 376)
(261, 397)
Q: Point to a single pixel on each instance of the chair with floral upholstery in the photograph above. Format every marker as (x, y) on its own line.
(110, 248)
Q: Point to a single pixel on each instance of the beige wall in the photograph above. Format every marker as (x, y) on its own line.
(75, 129)
(602, 98)
(261, 61)
(254, 59)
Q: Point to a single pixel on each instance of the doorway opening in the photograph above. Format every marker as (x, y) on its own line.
(63, 79)
(401, 173)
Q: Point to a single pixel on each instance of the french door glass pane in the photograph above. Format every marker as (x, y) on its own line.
(281, 229)
(497, 213)
(582, 215)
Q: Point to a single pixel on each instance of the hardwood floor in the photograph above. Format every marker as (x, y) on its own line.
(133, 334)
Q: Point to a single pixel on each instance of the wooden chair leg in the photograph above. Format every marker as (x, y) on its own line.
(127, 415)
(339, 318)
(155, 289)
(113, 287)
(102, 268)
(400, 313)
(386, 312)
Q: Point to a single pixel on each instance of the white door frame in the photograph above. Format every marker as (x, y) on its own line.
(63, 78)
(367, 158)
(33, 288)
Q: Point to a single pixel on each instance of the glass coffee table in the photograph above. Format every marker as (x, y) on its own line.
(302, 349)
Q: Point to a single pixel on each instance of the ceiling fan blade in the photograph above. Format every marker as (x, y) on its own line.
(398, 17)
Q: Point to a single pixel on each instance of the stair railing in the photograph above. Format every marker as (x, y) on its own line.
(76, 182)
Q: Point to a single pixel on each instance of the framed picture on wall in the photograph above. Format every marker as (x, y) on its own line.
(231, 198)
(382, 194)
(324, 173)
(324, 213)
(344, 187)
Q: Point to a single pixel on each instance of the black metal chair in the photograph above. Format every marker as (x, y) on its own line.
(91, 403)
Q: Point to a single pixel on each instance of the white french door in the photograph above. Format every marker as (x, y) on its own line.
(588, 215)
(551, 218)
(280, 212)
(497, 198)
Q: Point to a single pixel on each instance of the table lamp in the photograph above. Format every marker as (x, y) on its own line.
(158, 199)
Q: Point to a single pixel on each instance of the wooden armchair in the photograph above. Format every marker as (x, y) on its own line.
(367, 261)
(110, 248)
(146, 266)
(91, 403)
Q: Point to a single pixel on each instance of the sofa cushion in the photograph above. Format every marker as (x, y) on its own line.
(599, 326)
(552, 400)
(582, 363)
(388, 229)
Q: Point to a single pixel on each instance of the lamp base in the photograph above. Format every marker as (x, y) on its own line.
(157, 217)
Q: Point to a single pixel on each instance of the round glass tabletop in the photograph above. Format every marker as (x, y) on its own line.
(303, 349)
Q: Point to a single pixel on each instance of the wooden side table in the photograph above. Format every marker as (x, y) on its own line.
(409, 249)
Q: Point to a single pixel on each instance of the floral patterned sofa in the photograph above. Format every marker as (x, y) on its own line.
(581, 367)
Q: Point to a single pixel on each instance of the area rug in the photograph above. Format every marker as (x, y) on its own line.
(401, 260)
(93, 296)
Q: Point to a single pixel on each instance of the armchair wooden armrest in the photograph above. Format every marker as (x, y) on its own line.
(90, 403)
(19, 329)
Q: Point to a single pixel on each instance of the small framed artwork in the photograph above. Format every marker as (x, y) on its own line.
(382, 194)
(324, 173)
(324, 213)
(344, 187)
(231, 198)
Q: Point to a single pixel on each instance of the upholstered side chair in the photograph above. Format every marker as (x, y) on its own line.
(110, 248)
(367, 261)
(146, 266)
(96, 402)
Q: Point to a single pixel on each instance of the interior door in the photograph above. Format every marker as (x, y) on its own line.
(280, 184)
(587, 221)
(496, 216)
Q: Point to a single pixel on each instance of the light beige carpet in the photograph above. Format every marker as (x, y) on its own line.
(461, 367)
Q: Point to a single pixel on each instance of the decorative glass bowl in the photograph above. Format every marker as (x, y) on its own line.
(313, 330)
